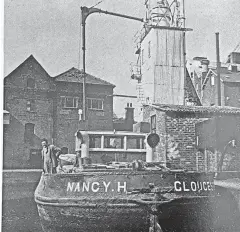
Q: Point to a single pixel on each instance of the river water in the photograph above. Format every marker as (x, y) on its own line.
(20, 216)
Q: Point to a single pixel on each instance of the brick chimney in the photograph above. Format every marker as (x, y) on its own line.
(129, 117)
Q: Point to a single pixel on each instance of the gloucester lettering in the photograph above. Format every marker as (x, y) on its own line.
(193, 186)
(96, 186)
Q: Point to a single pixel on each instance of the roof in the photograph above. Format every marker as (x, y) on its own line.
(197, 109)
(114, 133)
(31, 58)
(76, 75)
(230, 77)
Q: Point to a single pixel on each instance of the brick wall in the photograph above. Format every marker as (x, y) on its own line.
(232, 94)
(67, 120)
(50, 120)
(177, 144)
(210, 96)
(101, 120)
(209, 93)
(16, 151)
(181, 130)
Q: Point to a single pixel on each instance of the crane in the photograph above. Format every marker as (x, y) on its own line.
(237, 47)
(85, 13)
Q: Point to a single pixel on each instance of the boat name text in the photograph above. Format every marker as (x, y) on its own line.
(96, 186)
(182, 186)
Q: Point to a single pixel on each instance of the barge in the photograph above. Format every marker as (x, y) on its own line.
(124, 196)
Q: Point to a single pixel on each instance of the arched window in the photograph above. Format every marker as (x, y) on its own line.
(30, 83)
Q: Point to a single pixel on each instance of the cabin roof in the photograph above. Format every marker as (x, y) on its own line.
(117, 133)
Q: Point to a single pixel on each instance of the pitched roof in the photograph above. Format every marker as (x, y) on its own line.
(225, 75)
(197, 109)
(31, 58)
(76, 75)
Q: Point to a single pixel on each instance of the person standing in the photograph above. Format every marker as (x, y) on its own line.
(50, 154)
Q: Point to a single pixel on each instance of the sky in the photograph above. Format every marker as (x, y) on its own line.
(50, 31)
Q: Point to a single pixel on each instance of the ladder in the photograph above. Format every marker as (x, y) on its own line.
(140, 93)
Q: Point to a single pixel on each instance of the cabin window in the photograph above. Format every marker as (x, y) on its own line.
(149, 49)
(113, 142)
(135, 143)
(69, 102)
(95, 104)
(30, 83)
(29, 133)
(95, 141)
(153, 124)
(31, 106)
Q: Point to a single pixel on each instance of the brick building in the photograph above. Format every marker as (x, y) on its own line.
(203, 75)
(177, 126)
(41, 106)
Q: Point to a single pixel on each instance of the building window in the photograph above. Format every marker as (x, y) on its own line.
(29, 133)
(69, 102)
(153, 124)
(142, 56)
(30, 83)
(149, 49)
(31, 106)
(95, 104)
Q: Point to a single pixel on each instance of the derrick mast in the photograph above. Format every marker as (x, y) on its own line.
(160, 48)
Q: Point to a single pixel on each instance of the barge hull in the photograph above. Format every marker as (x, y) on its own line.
(192, 216)
(97, 219)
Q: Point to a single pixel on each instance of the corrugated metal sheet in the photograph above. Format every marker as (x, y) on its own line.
(197, 109)
(169, 67)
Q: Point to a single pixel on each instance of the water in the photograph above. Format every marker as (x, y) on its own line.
(20, 216)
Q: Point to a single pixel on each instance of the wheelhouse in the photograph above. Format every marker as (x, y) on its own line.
(112, 146)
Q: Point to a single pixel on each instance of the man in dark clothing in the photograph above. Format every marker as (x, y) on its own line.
(50, 154)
